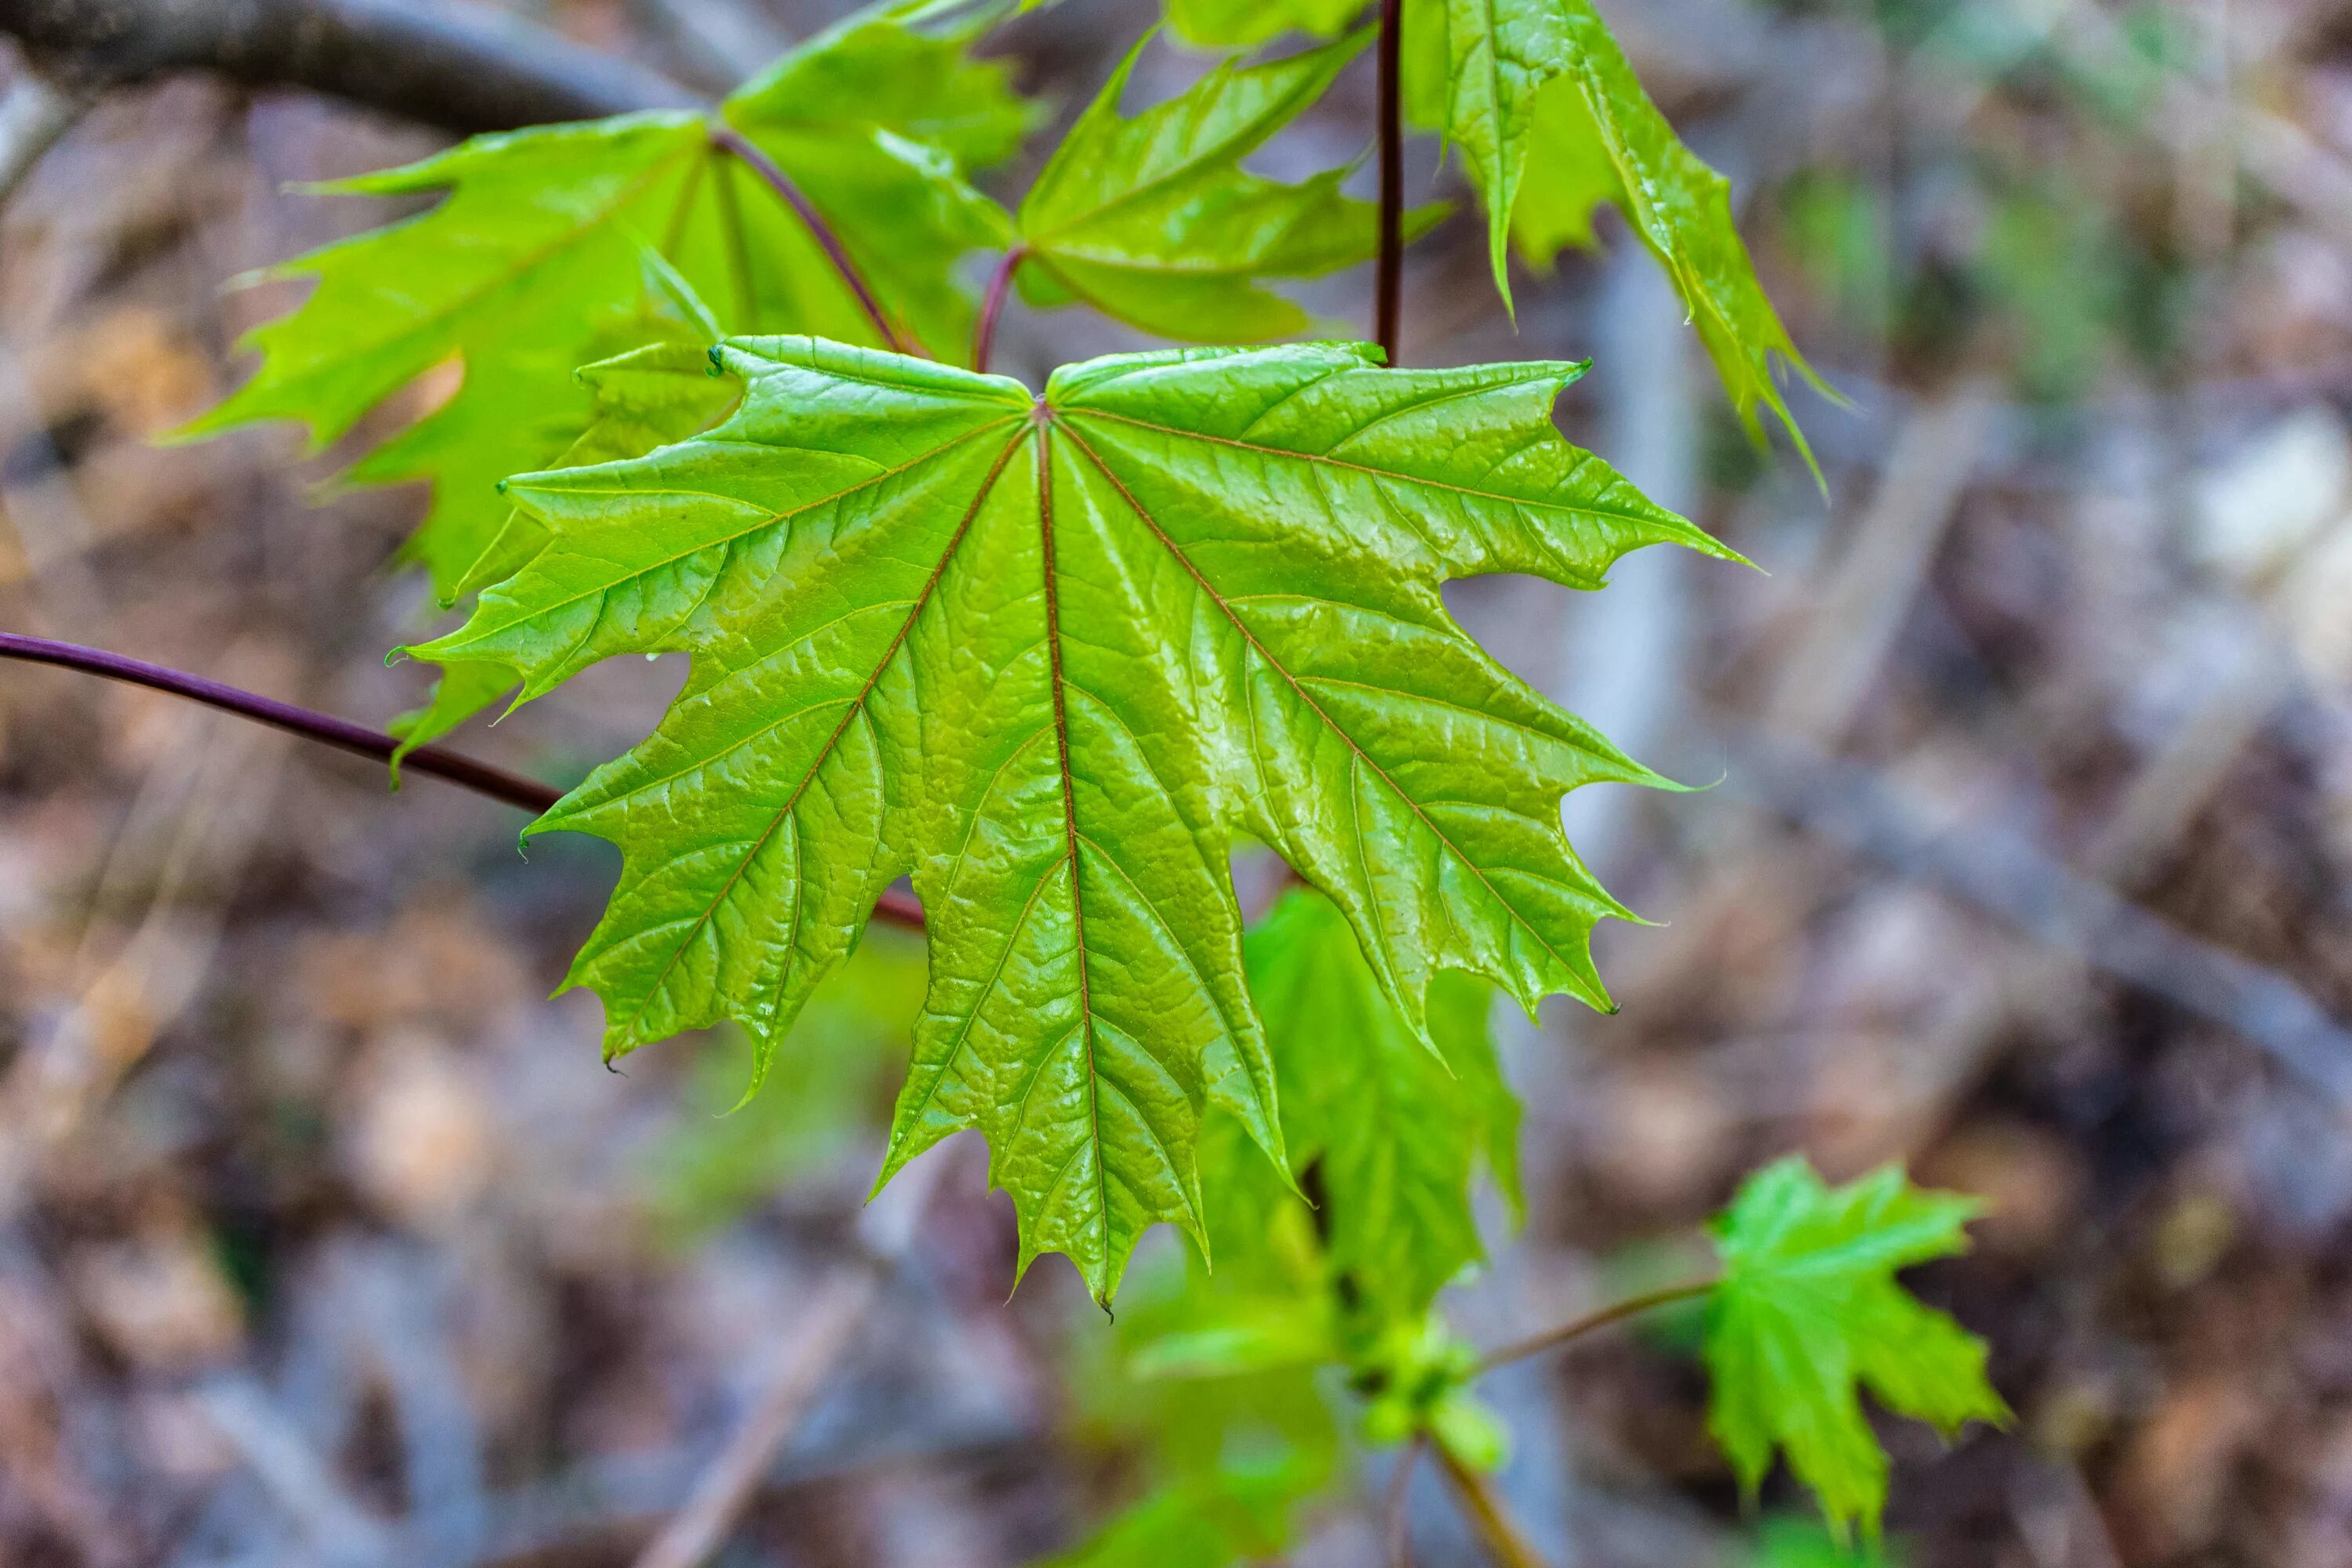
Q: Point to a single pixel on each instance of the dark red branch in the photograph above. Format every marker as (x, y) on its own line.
(323, 728)
(730, 139)
(983, 337)
(1389, 288)
(342, 733)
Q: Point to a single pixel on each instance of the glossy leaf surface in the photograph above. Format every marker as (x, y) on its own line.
(1050, 655)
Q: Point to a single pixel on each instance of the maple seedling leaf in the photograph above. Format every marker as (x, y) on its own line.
(531, 256)
(1808, 1311)
(1551, 121)
(1396, 1130)
(1154, 221)
(1049, 654)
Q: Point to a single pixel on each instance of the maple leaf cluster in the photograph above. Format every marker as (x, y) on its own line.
(1056, 654)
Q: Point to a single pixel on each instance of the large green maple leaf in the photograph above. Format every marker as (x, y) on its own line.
(1050, 654)
(1154, 220)
(531, 257)
(1808, 1310)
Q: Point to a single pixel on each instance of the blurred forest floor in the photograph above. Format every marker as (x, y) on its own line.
(323, 1237)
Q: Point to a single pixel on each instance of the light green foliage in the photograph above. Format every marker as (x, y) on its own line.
(1054, 656)
(1550, 121)
(1568, 175)
(1154, 220)
(1418, 1376)
(1228, 1378)
(1786, 1542)
(1388, 1139)
(1215, 1381)
(875, 124)
(1238, 1513)
(531, 258)
(1808, 1310)
(647, 397)
(1392, 1129)
(1050, 655)
(1245, 24)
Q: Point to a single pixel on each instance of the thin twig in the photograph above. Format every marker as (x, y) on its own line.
(1399, 1539)
(1496, 1530)
(290, 1469)
(1389, 284)
(323, 728)
(842, 1309)
(983, 337)
(1633, 1306)
(2009, 875)
(342, 733)
(728, 139)
(823, 1331)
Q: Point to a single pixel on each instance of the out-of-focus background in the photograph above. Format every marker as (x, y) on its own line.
(323, 1238)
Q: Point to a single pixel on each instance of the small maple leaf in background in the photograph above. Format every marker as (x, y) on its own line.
(1808, 1312)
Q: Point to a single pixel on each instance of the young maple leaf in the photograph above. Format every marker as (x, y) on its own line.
(1154, 221)
(533, 256)
(1397, 1130)
(1050, 654)
(1551, 121)
(1808, 1311)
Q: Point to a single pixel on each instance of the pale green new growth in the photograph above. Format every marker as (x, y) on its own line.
(1154, 221)
(533, 257)
(1508, 77)
(1240, 1514)
(1050, 655)
(1551, 121)
(1809, 1311)
(1395, 1129)
(1245, 24)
